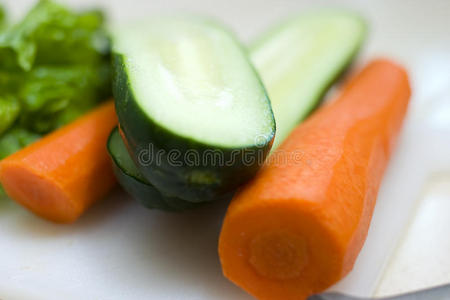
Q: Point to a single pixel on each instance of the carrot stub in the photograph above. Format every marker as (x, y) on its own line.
(63, 173)
(298, 227)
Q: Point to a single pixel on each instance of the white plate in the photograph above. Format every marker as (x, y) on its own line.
(119, 250)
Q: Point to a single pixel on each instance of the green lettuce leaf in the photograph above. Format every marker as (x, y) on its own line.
(51, 34)
(54, 67)
(9, 111)
(15, 139)
(54, 96)
(2, 16)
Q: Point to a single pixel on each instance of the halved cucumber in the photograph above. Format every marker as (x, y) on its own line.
(300, 58)
(134, 183)
(196, 116)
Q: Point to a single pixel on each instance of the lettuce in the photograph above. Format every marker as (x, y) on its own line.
(51, 34)
(54, 66)
(9, 111)
(50, 94)
(2, 17)
(15, 139)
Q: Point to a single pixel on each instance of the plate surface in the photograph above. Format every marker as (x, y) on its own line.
(119, 250)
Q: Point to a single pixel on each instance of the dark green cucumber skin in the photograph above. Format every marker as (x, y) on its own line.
(144, 192)
(176, 180)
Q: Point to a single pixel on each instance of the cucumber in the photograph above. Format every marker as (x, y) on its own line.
(300, 58)
(196, 117)
(134, 183)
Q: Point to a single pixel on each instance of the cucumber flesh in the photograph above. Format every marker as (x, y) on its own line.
(190, 76)
(300, 58)
(185, 85)
(134, 183)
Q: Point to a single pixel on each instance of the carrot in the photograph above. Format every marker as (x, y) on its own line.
(62, 174)
(298, 227)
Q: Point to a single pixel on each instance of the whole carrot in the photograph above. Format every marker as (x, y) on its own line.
(298, 227)
(62, 174)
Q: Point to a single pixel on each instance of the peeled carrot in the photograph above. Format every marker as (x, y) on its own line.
(298, 227)
(62, 174)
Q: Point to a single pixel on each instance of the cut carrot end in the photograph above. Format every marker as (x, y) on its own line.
(62, 174)
(38, 194)
(278, 250)
(278, 254)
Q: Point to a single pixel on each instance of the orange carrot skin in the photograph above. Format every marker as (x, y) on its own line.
(62, 174)
(298, 227)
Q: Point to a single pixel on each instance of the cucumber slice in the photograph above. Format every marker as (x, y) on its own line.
(194, 112)
(134, 183)
(300, 58)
